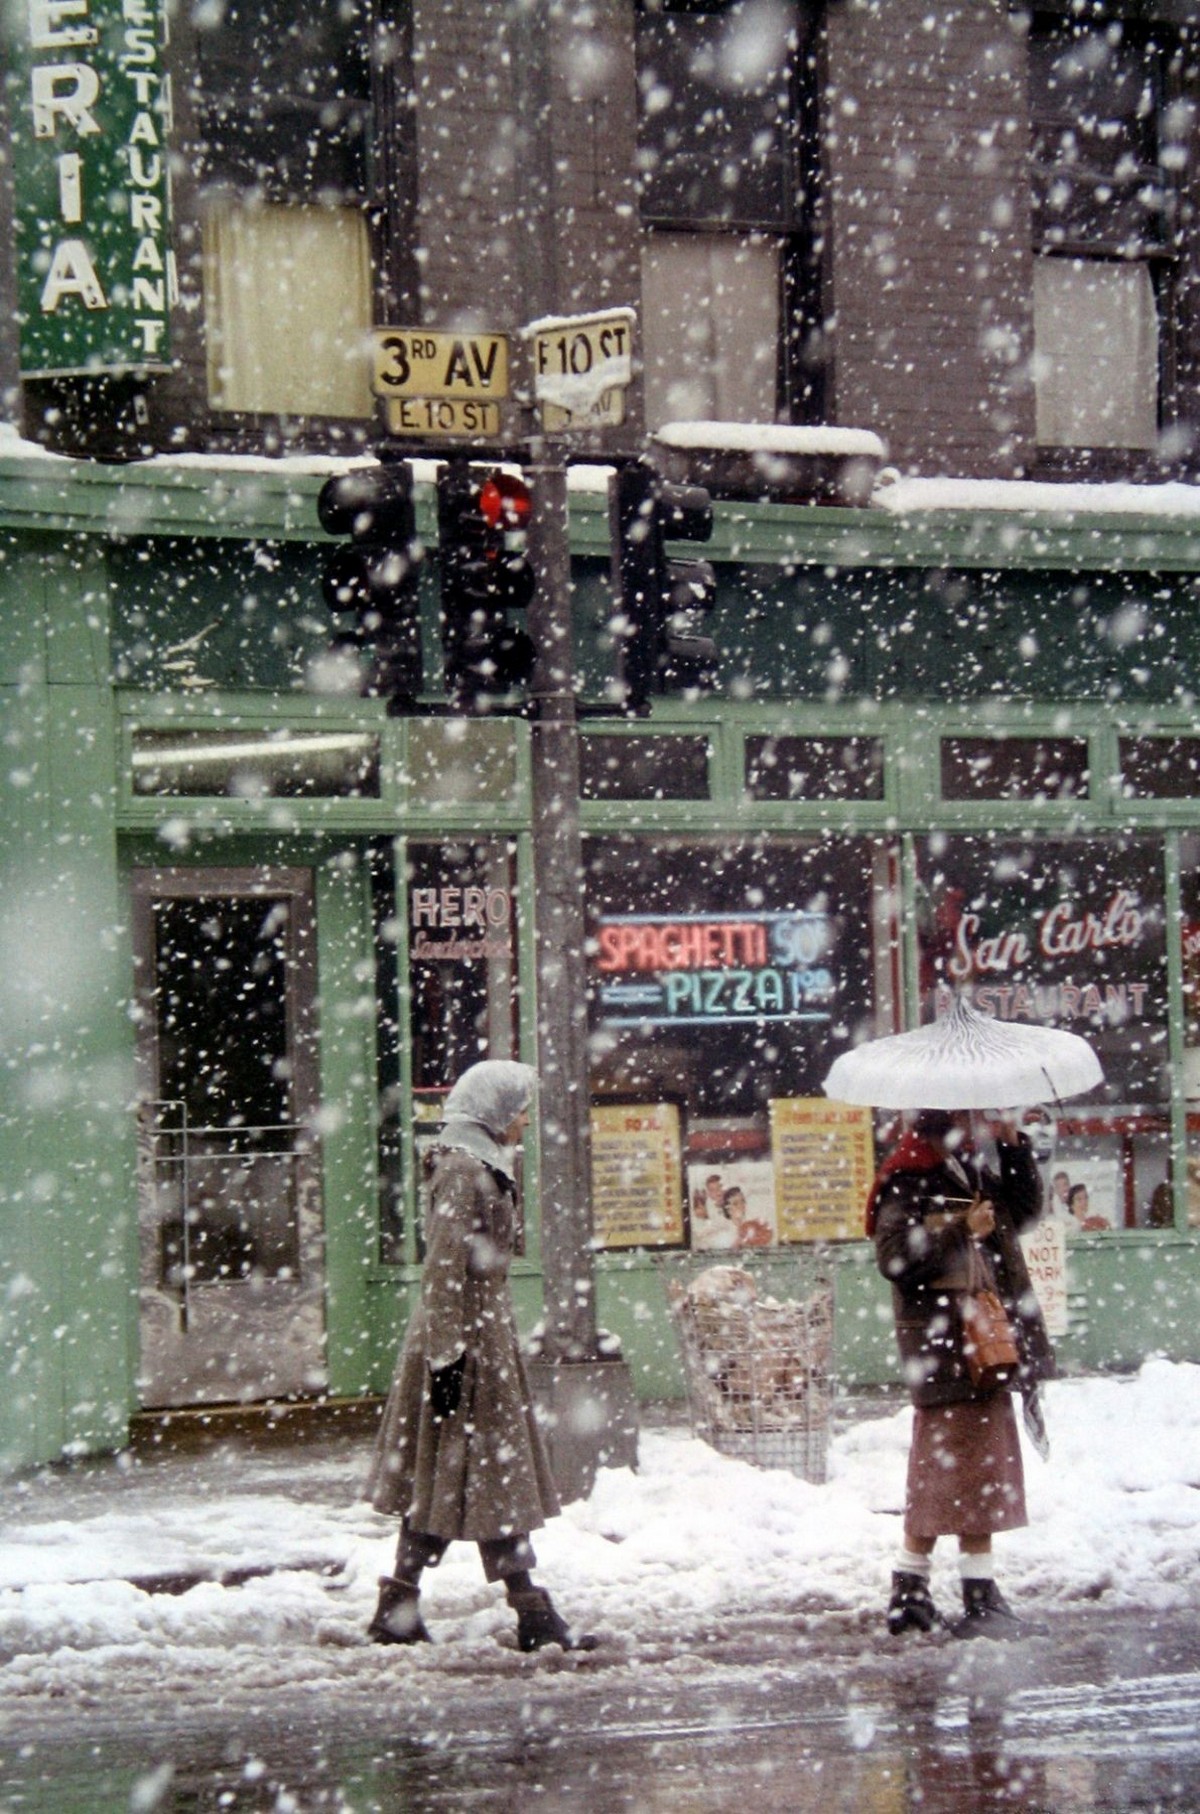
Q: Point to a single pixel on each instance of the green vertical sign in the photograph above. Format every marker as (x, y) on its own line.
(89, 111)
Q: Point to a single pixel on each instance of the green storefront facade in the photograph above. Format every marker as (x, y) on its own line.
(915, 712)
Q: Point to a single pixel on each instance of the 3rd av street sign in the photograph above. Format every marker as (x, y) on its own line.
(435, 383)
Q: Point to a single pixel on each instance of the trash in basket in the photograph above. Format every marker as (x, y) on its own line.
(757, 1371)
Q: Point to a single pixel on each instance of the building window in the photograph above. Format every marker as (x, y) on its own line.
(728, 286)
(1105, 138)
(1066, 932)
(1160, 768)
(1014, 768)
(283, 102)
(724, 976)
(454, 905)
(644, 768)
(814, 768)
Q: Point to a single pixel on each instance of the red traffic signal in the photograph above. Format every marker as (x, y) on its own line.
(505, 503)
(482, 523)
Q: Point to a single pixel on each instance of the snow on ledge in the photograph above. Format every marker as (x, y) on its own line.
(905, 497)
(775, 438)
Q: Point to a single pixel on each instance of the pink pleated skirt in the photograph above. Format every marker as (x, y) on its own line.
(964, 1470)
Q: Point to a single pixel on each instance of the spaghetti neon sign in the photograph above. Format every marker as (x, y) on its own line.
(707, 968)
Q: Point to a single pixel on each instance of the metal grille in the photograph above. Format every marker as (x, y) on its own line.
(757, 1371)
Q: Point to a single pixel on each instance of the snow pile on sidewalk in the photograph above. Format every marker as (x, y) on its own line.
(1115, 1514)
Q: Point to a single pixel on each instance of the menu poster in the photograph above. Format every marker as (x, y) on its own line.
(1045, 1249)
(637, 1175)
(824, 1157)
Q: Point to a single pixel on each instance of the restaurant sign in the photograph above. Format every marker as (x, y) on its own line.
(88, 103)
(702, 968)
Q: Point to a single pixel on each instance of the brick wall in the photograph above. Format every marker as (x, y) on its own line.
(929, 267)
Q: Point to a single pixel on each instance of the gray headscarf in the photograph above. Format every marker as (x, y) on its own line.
(483, 1105)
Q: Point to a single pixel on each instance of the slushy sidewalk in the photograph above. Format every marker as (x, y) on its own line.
(249, 1556)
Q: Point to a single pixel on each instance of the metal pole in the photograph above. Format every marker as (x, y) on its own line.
(586, 1397)
(558, 890)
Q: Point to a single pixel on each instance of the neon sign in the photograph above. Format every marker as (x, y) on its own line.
(709, 968)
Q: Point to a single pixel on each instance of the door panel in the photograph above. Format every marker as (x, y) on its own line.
(230, 1216)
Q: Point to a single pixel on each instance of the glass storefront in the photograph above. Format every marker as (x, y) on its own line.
(727, 974)
(724, 977)
(451, 905)
(1067, 932)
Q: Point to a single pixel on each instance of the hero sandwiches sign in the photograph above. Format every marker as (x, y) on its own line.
(89, 107)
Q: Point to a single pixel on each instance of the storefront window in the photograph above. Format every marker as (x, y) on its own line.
(1067, 933)
(458, 898)
(725, 976)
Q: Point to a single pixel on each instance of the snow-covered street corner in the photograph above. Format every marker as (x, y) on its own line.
(93, 1559)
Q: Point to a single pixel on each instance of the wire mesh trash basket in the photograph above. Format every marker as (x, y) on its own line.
(757, 1371)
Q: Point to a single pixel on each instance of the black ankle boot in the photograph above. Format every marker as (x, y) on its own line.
(397, 1618)
(539, 1624)
(911, 1606)
(987, 1614)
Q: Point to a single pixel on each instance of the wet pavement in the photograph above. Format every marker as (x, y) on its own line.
(802, 1713)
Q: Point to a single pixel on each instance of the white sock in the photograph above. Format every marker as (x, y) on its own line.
(976, 1568)
(909, 1562)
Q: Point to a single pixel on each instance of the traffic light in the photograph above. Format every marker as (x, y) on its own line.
(662, 601)
(483, 520)
(371, 583)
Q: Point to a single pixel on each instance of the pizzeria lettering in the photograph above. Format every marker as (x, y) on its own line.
(91, 174)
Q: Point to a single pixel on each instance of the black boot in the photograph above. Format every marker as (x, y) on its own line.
(397, 1618)
(538, 1623)
(911, 1606)
(987, 1614)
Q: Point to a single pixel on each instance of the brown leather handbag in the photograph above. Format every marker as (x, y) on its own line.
(989, 1345)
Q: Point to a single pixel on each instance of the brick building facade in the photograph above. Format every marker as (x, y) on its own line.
(969, 228)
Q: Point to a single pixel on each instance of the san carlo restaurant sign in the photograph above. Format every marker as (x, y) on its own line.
(705, 968)
(88, 107)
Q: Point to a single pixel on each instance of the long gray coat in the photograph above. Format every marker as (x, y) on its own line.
(483, 1472)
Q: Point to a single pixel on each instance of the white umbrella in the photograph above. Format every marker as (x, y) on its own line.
(965, 1060)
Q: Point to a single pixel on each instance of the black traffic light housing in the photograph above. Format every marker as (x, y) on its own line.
(662, 601)
(371, 584)
(482, 519)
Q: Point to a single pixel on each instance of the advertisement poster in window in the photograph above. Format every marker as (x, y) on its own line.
(637, 1175)
(733, 1204)
(824, 1159)
(1084, 1194)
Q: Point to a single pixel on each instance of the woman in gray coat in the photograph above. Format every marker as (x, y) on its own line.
(459, 1453)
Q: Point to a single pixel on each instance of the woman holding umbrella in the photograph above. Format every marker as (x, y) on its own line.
(944, 1227)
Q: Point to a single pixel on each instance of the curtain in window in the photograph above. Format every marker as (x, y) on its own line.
(710, 327)
(287, 308)
(1095, 329)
